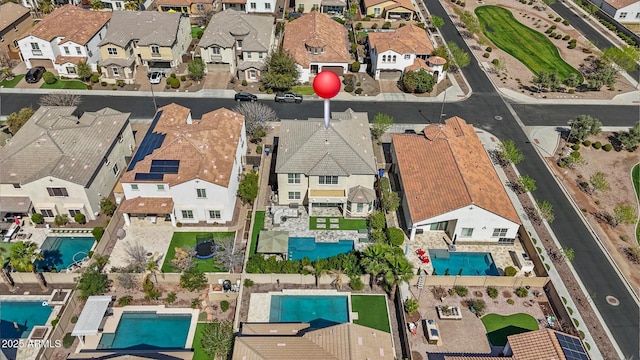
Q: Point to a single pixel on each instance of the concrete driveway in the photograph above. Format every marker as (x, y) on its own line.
(389, 86)
(217, 80)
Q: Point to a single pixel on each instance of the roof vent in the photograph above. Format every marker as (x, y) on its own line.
(282, 344)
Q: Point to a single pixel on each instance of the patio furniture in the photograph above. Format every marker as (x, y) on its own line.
(432, 333)
(321, 220)
(420, 252)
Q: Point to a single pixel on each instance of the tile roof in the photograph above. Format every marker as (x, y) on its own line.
(417, 65)
(448, 168)
(10, 13)
(70, 59)
(126, 26)
(619, 4)
(360, 194)
(408, 39)
(71, 23)
(404, 3)
(536, 345)
(343, 149)
(56, 142)
(147, 205)
(183, 2)
(206, 148)
(320, 31)
(255, 29)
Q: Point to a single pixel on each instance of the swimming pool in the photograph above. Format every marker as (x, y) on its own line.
(320, 311)
(462, 263)
(60, 252)
(26, 314)
(148, 330)
(300, 247)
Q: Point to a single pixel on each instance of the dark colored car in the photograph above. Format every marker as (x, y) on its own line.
(34, 74)
(244, 96)
(288, 97)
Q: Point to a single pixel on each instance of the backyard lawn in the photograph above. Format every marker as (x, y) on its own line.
(344, 224)
(372, 311)
(529, 46)
(194, 31)
(499, 327)
(198, 352)
(11, 83)
(258, 224)
(65, 84)
(181, 239)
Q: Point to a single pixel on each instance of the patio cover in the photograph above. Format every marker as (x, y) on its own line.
(273, 242)
(92, 314)
(14, 204)
(147, 205)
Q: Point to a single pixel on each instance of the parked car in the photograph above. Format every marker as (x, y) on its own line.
(34, 74)
(155, 77)
(288, 97)
(245, 96)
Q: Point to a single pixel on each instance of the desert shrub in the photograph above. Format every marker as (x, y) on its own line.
(386, 25)
(354, 48)
(244, 83)
(461, 290)
(548, 31)
(355, 66)
(495, 62)
(575, 147)
(411, 305)
(183, 78)
(510, 301)
(359, 91)
(49, 78)
(356, 283)
(506, 293)
(374, 26)
(94, 78)
(492, 292)
(510, 271)
(488, 49)
(60, 220)
(79, 218)
(259, 149)
(120, 83)
(559, 36)
(607, 147)
(597, 145)
(572, 91)
(55, 322)
(193, 279)
(37, 218)
(558, 19)
(359, 26)
(224, 305)
(97, 232)
(103, 84)
(125, 300)
(349, 88)
(67, 341)
(565, 22)
(552, 27)
(572, 45)
(171, 297)
(522, 292)
(586, 143)
(74, 319)
(566, 37)
(486, 55)
(248, 282)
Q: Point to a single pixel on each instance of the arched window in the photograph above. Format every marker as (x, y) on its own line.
(384, 58)
(394, 58)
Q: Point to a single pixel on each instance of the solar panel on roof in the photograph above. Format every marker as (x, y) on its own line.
(572, 347)
(149, 177)
(150, 142)
(165, 166)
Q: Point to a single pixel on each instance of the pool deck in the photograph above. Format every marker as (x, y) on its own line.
(260, 303)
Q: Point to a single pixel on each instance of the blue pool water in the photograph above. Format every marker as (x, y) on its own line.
(148, 330)
(26, 314)
(60, 252)
(320, 311)
(463, 263)
(308, 247)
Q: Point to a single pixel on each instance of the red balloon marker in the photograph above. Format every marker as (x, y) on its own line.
(327, 85)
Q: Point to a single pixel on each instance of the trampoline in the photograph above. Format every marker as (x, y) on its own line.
(205, 247)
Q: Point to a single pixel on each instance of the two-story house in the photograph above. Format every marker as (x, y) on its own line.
(134, 38)
(64, 38)
(62, 164)
(626, 12)
(186, 170)
(330, 167)
(15, 20)
(238, 43)
(449, 184)
(329, 7)
(195, 9)
(317, 43)
(389, 10)
(251, 6)
(407, 48)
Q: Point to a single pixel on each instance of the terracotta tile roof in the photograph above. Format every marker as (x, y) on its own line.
(476, 358)
(447, 169)
(10, 13)
(316, 30)
(397, 3)
(417, 65)
(71, 23)
(182, 2)
(408, 39)
(206, 148)
(536, 345)
(619, 4)
(70, 59)
(436, 60)
(146, 205)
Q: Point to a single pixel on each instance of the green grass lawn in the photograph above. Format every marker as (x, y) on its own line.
(194, 31)
(345, 224)
(198, 353)
(303, 90)
(181, 239)
(529, 46)
(11, 83)
(635, 177)
(499, 327)
(65, 84)
(372, 311)
(258, 224)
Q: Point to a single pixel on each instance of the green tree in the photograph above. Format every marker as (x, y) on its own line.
(319, 269)
(381, 123)
(459, 57)
(630, 139)
(424, 82)
(256, 117)
(582, 127)
(509, 153)
(604, 74)
(23, 256)
(443, 52)
(624, 214)
(599, 181)
(568, 253)
(133, 5)
(107, 206)
(399, 270)
(377, 220)
(92, 282)
(390, 201)
(591, 9)
(248, 187)
(196, 69)
(373, 262)
(217, 339)
(16, 120)
(437, 22)
(546, 211)
(395, 235)
(411, 305)
(572, 80)
(193, 279)
(96, 4)
(527, 184)
(626, 58)
(83, 70)
(280, 71)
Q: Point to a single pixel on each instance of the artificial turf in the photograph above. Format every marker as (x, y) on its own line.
(181, 239)
(372, 311)
(65, 84)
(344, 224)
(258, 224)
(11, 83)
(529, 46)
(499, 327)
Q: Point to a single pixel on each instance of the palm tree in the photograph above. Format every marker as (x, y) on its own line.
(5, 275)
(399, 271)
(23, 256)
(338, 278)
(46, 6)
(373, 261)
(319, 270)
(153, 269)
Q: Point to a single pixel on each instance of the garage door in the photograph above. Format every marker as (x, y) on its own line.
(42, 62)
(218, 68)
(390, 75)
(338, 70)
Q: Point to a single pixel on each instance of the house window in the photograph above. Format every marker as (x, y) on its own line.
(118, 6)
(376, 11)
(253, 6)
(115, 169)
(112, 51)
(35, 46)
(16, 186)
(294, 195)
(466, 232)
(384, 58)
(66, 50)
(261, 54)
(46, 213)
(293, 178)
(394, 59)
(499, 232)
(267, 6)
(328, 180)
(407, 56)
(57, 191)
(160, 187)
(440, 226)
(253, 74)
(202, 193)
(35, 49)
(214, 214)
(115, 70)
(215, 50)
(248, 55)
(200, 6)
(637, 15)
(134, 186)
(74, 212)
(78, 50)
(623, 15)
(239, 43)
(71, 69)
(359, 207)
(187, 214)
(155, 50)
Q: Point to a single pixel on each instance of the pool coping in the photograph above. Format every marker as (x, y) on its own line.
(260, 303)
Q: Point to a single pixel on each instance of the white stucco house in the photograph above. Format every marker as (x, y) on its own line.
(62, 164)
(626, 12)
(251, 6)
(186, 170)
(449, 184)
(327, 167)
(406, 49)
(64, 38)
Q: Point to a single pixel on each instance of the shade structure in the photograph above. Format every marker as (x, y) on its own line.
(273, 242)
(91, 316)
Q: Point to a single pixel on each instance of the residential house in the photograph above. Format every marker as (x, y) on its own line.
(290, 341)
(238, 43)
(64, 38)
(330, 167)
(195, 9)
(389, 10)
(317, 43)
(134, 38)
(626, 12)
(449, 184)
(329, 7)
(62, 164)
(15, 20)
(186, 170)
(406, 48)
(251, 6)
(536, 345)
